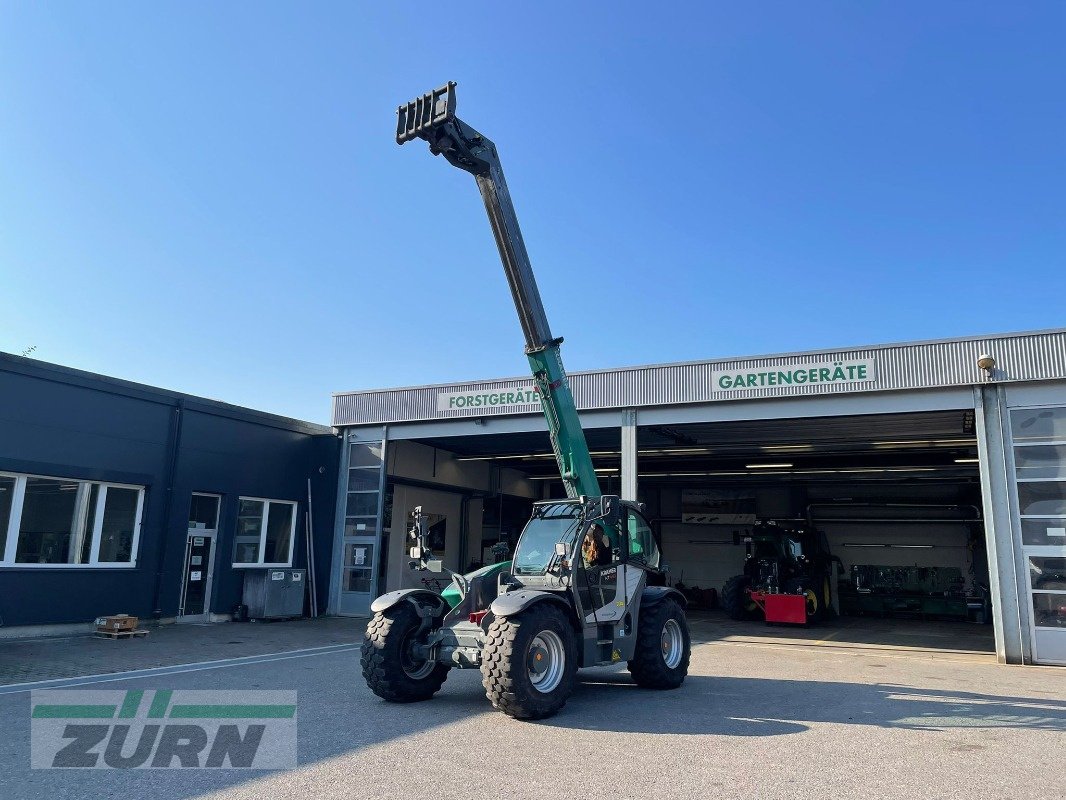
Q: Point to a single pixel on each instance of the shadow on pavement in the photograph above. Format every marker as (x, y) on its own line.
(340, 719)
(858, 633)
(764, 707)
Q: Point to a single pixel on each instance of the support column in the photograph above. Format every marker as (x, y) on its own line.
(629, 454)
(1009, 615)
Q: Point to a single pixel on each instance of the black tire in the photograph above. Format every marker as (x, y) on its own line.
(389, 668)
(735, 601)
(541, 631)
(816, 593)
(825, 599)
(657, 662)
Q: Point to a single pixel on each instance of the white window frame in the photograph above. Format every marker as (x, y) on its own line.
(7, 558)
(266, 501)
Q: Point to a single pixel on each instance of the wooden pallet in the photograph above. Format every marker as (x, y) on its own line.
(121, 634)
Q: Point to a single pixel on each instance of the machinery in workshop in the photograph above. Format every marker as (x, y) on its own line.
(577, 592)
(788, 577)
(929, 587)
(911, 591)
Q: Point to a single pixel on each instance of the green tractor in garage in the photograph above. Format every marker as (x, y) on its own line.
(788, 576)
(585, 585)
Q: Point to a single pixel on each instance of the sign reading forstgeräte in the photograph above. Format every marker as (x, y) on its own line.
(515, 397)
(785, 375)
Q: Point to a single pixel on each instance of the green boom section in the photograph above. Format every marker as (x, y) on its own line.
(564, 426)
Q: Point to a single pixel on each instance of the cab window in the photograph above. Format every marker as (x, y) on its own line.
(642, 546)
(599, 547)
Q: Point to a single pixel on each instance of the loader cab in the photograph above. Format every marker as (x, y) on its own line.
(623, 535)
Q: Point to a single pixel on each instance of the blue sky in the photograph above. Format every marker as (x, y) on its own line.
(208, 197)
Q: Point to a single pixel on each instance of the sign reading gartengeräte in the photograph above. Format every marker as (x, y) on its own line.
(516, 397)
(784, 375)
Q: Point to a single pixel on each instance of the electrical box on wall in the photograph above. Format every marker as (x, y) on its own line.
(274, 593)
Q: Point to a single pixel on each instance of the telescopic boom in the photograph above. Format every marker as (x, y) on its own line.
(432, 117)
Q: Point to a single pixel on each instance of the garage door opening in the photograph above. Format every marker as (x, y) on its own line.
(895, 498)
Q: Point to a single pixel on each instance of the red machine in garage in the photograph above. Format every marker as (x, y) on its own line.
(790, 608)
(788, 576)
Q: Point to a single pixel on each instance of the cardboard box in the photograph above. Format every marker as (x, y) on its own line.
(118, 622)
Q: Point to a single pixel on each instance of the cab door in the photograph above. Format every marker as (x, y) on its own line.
(600, 570)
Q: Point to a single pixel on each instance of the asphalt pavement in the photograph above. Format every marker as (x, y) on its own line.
(755, 719)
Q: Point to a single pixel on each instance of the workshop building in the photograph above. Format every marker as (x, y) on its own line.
(936, 470)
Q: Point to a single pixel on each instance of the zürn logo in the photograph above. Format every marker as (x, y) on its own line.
(162, 729)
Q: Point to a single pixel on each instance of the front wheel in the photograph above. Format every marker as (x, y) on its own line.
(529, 662)
(390, 666)
(735, 600)
(663, 646)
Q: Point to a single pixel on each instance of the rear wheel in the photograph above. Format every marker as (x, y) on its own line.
(391, 668)
(735, 600)
(663, 646)
(529, 662)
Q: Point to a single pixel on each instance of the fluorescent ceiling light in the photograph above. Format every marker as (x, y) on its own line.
(529, 456)
(767, 466)
(923, 442)
(967, 461)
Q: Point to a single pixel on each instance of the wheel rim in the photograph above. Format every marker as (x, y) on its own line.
(413, 667)
(545, 661)
(812, 602)
(673, 643)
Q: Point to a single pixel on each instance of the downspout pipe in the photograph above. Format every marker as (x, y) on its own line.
(173, 448)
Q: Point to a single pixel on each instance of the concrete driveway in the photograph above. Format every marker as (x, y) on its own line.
(756, 719)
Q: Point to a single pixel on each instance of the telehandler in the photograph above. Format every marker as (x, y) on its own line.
(584, 587)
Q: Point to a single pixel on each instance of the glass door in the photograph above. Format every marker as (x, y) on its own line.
(1039, 439)
(361, 536)
(195, 604)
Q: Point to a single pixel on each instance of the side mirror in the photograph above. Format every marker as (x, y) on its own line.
(415, 552)
(436, 565)
(560, 549)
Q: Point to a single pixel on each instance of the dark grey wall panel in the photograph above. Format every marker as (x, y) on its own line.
(67, 423)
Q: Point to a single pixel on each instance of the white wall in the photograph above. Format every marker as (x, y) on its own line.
(694, 558)
(418, 462)
(404, 500)
(433, 465)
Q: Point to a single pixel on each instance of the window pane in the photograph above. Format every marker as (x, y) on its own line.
(45, 530)
(1038, 424)
(203, 512)
(89, 522)
(641, 541)
(360, 526)
(1042, 461)
(1049, 610)
(362, 504)
(359, 555)
(249, 529)
(7, 492)
(1047, 573)
(358, 580)
(1042, 499)
(1044, 532)
(120, 521)
(363, 480)
(364, 455)
(279, 533)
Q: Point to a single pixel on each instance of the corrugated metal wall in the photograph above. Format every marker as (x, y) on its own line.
(1022, 357)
